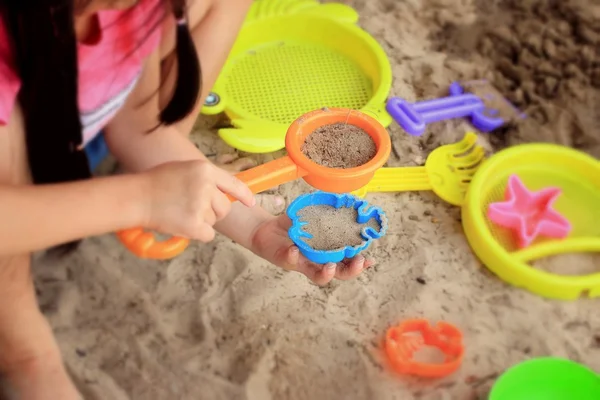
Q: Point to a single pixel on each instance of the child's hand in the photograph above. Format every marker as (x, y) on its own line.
(188, 198)
(272, 243)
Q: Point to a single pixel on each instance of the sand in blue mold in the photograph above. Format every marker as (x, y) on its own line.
(333, 228)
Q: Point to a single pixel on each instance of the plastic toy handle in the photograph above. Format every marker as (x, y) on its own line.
(266, 176)
(270, 175)
(143, 244)
(406, 116)
(413, 117)
(397, 179)
(588, 244)
(480, 120)
(448, 107)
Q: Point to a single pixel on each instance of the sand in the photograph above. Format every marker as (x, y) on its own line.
(339, 146)
(220, 323)
(334, 228)
(544, 56)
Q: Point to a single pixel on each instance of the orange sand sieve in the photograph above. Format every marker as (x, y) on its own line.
(286, 169)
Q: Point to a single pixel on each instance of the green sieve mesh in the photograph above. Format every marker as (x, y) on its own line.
(280, 81)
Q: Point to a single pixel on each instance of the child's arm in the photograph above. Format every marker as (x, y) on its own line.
(214, 27)
(138, 150)
(36, 217)
(180, 198)
(253, 228)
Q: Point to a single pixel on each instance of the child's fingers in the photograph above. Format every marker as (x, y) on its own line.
(321, 275)
(229, 184)
(369, 262)
(292, 257)
(351, 268)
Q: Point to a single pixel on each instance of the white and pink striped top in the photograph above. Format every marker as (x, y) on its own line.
(108, 69)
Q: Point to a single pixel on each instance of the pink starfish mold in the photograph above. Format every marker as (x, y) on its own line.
(529, 214)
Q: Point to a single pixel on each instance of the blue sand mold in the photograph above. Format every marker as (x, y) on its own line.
(365, 213)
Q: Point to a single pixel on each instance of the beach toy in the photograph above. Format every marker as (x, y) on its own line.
(447, 171)
(413, 117)
(286, 169)
(498, 111)
(529, 214)
(402, 341)
(487, 109)
(547, 379)
(364, 211)
(539, 166)
(278, 70)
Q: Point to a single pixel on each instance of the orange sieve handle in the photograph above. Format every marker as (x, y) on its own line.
(272, 174)
(144, 245)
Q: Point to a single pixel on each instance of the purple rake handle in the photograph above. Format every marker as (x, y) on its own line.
(485, 119)
(413, 117)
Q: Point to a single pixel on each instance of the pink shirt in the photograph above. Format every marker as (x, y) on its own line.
(108, 69)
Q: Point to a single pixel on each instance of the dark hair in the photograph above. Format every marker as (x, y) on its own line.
(45, 52)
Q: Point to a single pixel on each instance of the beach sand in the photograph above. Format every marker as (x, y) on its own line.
(220, 323)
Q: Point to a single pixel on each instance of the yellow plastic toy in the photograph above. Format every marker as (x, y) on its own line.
(292, 57)
(447, 171)
(538, 166)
